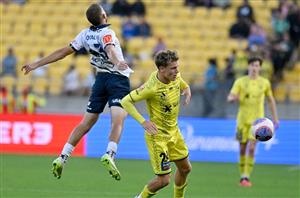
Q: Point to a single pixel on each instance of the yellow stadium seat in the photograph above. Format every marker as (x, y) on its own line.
(40, 86)
(8, 82)
(280, 93)
(55, 86)
(294, 94)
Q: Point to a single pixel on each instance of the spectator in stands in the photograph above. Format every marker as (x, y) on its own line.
(88, 82)
(229, 75)
(143, 28)
(106, 5)
(245, 11)
(279, 24)
(138, 8)
(293, 19)
(211, 85)
(160, 45)
(257, 36)
(222, 3)
(281, 52)
(129, 28)
(7, 101)
(240, 29)
(121, 8)
(71, 81)
(41, 71)
(28, 101)
(9, 63)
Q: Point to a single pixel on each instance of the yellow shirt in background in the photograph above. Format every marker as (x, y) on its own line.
(252, 94)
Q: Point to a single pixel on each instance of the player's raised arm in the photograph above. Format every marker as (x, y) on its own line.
(112, 54)
(55, 56)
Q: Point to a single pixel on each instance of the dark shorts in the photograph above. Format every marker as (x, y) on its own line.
(109, 88)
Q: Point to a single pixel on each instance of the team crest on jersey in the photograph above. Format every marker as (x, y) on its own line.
(107, 39)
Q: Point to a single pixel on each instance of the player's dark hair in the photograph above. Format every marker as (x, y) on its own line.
(93, 14)
(165, 57)
(254, 59)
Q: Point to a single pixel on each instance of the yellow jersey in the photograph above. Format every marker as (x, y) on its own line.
(163, 102)
(251, 94)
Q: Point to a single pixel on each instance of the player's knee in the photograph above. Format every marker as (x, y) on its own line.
(186, 170)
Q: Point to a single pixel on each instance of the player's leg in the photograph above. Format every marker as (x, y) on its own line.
(78, 132)
(117, 87)
(178, 152)
(159, 182)
(118, 116)
(160, 161)
(183, 169)
(96, 104)
(250, 160)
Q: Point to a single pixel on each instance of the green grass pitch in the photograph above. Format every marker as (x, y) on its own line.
(30, 176)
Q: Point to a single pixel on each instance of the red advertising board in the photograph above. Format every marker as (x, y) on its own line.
(37, 134)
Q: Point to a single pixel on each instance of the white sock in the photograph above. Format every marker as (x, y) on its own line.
(112, 148)
(67, 150)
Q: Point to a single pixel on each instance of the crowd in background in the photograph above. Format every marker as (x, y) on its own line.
(279, 50)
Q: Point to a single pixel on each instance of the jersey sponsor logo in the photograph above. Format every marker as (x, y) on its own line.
(107, 39)
(90, 37)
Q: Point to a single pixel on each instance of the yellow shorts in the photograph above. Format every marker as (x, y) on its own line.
(243, 133)
(164, 149)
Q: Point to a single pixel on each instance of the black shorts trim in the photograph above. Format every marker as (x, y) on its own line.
(180, 159)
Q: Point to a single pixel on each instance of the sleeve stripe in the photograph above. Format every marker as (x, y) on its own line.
(131, 97)
(73, 48)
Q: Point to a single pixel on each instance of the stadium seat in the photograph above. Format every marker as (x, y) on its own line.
(40, 86)
(280, 93)
(8, 82)
(294, 94)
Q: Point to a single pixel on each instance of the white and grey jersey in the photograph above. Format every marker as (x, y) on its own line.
(94, 40)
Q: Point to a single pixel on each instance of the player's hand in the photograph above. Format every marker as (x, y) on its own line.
(27, 68)
(232, 98)
(276, 123)
(187, 93)
(150, 127)
(122, 65)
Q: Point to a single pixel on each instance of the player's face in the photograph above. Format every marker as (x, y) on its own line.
(104, 15)
(254, 68)
(170, 72)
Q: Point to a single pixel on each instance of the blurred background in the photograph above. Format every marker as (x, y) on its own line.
(213, 39)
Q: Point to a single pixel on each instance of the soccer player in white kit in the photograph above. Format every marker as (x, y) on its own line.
(111, 85)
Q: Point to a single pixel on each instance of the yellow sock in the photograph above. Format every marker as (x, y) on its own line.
(146, 193)
(249, 165)
(179, 190)
(242, 165)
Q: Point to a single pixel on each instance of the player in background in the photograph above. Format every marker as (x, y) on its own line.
(164, 140)
(111, 85)
(250, 91)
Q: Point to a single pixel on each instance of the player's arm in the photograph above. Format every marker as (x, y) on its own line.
(128, 104)
(272, 105)
(112, 55)
(186, 91)
(273, 109)
(233, 96)
(55, 56)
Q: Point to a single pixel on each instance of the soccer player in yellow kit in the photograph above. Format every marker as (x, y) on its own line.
(164, 140)
(250, 91)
